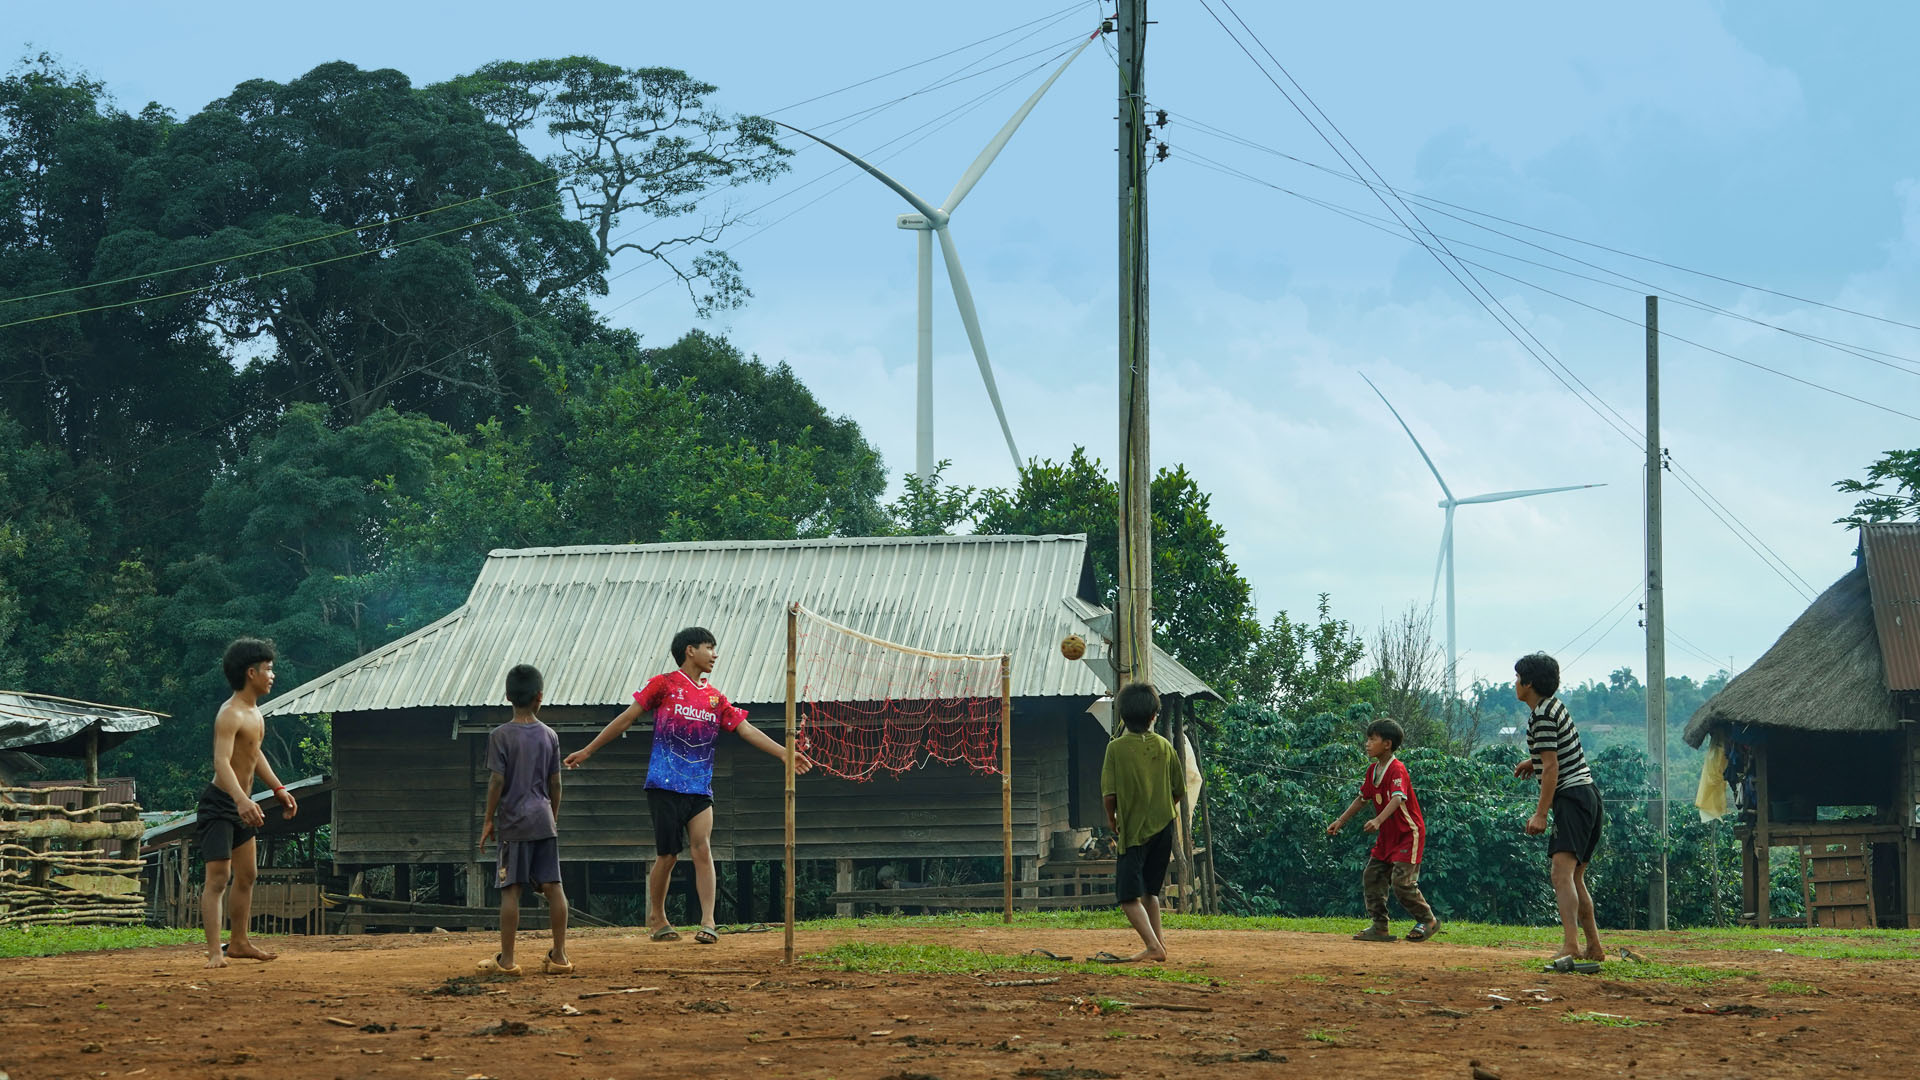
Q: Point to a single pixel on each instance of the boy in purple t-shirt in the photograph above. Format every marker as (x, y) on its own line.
(523, 810)
(689, 716)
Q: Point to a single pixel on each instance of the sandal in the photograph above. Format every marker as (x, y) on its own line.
(1425, 930)
(492, 966)
(550, 966)
(707, 935)
(665, 933)
(1571, 963)
(1375, 933)
(1105, 957)
(1047, 954)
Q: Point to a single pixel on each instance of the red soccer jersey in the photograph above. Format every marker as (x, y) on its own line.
(688, 718)
(1402, 837)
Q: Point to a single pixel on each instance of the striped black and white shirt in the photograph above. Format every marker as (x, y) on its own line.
(1550, 728)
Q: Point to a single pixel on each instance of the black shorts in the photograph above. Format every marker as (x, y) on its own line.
(527, 862)
(219, 827)
(672, 812)
(1577, 817)
(1142, 868)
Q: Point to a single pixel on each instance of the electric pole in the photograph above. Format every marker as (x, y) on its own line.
(1656, 629)
(1135, 629)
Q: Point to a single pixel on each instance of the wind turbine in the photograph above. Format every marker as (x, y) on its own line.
(1446, 536)
(929, 221)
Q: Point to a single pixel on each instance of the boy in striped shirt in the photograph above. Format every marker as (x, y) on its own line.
(1400, 833)
(1567, 788)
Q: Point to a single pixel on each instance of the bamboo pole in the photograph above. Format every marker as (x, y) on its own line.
(72, 830)
(793, 738)
(1006, 780)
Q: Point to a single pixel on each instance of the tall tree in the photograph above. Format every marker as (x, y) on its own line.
(1203, 607)
(1889, 492)
(640, 141)
(403, 240)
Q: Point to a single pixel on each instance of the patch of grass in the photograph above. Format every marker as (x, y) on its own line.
(1656, 971)
(1788, 986)
(949, 960)
(1375, 990)
(1604, 1020)
(1109, 1007)
(1311, 978)
(54, 940)
(1325, 1036)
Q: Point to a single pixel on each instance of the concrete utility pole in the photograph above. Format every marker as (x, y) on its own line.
(1656, 629)
(1134, 636)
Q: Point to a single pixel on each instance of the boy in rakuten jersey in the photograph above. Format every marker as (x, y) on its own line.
(689, 716)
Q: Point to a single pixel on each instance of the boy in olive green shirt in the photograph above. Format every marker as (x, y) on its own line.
(1142, 783)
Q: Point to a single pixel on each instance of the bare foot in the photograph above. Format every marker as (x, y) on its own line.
(247, 950)
(217, 960)
(1148, 954)
(1595, 953)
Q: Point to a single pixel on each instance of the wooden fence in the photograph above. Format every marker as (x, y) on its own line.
(68, 866)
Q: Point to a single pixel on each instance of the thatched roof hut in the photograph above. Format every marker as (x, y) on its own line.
(1824, 674)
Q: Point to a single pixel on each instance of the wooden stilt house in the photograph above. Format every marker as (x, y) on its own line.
(1824, 746)
(410, 719)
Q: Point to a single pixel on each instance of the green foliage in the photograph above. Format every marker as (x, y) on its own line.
(1890, 492)
(55, 940)
(638, 140)
(947, 959)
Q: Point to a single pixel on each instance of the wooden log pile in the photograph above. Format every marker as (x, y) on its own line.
(61, 866)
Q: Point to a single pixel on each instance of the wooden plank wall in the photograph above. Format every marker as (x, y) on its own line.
(410, 792)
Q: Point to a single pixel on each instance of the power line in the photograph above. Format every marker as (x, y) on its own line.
(1740, 530)
(1437, 206)
(1636, 587)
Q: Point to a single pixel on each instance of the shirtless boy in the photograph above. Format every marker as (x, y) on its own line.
(229, 817)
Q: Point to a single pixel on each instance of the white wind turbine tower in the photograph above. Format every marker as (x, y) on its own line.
(929, 221)
(1446, 536)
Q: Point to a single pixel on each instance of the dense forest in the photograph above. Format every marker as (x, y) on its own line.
(291, 365)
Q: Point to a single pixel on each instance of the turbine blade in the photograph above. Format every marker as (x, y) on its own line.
(899, 188)
(963, 298)
(1416, 442)
(1502, 496)
(999, 142)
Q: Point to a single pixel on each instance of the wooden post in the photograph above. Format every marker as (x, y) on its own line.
(843, 882)
(1133, 632)
(1006, 783)
(793, 737)
(1762, 840)
(1189, 892)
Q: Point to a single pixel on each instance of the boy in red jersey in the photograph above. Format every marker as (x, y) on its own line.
(689, 716)
(1400, 837)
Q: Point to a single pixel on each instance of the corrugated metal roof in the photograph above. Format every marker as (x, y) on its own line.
(597, 620)
(1893, 573)
(56, 726)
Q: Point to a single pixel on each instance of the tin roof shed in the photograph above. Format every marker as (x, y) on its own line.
(597, 620)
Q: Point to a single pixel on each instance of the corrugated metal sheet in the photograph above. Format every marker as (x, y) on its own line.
(597, 620)
(56, 727)
(1893, 574)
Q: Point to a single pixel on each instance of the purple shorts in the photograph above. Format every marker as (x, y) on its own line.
(527, 862)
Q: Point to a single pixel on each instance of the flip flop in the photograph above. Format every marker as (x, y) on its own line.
(1105, 957)
(1565, 964)
(1047, 954)
(492, 966)
(550, 966)
(707, 935)
(1624, 953)
(665, 933)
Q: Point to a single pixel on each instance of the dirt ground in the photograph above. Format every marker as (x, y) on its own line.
(1285, 1004)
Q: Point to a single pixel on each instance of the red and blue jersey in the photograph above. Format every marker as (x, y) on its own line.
(688, 718)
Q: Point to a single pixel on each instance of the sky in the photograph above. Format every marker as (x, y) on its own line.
(1765, 154)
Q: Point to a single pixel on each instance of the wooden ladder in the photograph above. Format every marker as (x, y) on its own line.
(1837, 876)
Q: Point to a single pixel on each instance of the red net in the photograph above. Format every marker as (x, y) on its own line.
(868, 706)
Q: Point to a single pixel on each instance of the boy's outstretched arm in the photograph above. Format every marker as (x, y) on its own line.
(765, 743)
(1341, 821)
(607, 734)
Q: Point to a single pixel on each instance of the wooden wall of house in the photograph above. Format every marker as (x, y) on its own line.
(411, 791)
